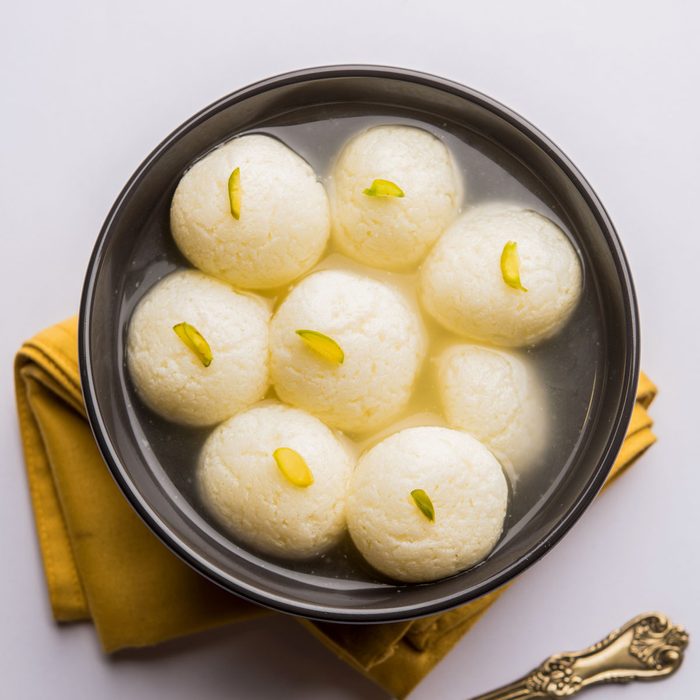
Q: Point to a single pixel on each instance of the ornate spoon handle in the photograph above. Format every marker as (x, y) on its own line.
(645, 648)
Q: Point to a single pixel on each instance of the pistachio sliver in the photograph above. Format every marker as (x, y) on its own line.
(293, 466)
(425, 505)
(323, 345)
(383, 188)
(234, 193)
(510, 266)
(195, 341)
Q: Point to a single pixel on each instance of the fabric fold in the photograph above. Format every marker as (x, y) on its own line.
(103, 564)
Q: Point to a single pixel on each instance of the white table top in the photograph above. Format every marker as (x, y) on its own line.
(89, 88)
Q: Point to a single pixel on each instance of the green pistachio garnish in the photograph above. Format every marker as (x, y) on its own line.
(510, 266)
(383, 188)
(293, 466)
(323, 345)
(234, 193)
(195, 341)
(425, 505)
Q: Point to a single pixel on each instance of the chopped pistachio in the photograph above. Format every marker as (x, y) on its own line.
(293, 466)
(234, 193)
(510, 266)
(195, 341)
(323, 345)
(425, 505)
(383, 188)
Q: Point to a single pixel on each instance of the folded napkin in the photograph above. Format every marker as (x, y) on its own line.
(103, 564)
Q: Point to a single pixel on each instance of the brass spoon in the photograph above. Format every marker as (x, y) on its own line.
(646, 648)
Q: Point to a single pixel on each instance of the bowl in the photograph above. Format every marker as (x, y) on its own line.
(134, 249)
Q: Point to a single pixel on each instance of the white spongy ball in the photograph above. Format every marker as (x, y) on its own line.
(462, 285)
(495, 396)
(393, 232)
(380, 334)
(170, 377)
(468, 491)
(247, 492)
(284, 219)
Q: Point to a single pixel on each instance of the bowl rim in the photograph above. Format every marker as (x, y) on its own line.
(282, 603)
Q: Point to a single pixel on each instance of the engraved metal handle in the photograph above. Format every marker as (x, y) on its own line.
(644, 649)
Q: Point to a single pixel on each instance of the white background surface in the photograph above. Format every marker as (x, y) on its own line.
(88, 89)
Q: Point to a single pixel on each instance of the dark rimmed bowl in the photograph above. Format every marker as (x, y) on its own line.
(142, 207)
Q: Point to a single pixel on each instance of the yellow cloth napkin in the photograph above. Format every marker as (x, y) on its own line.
(103, 564)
